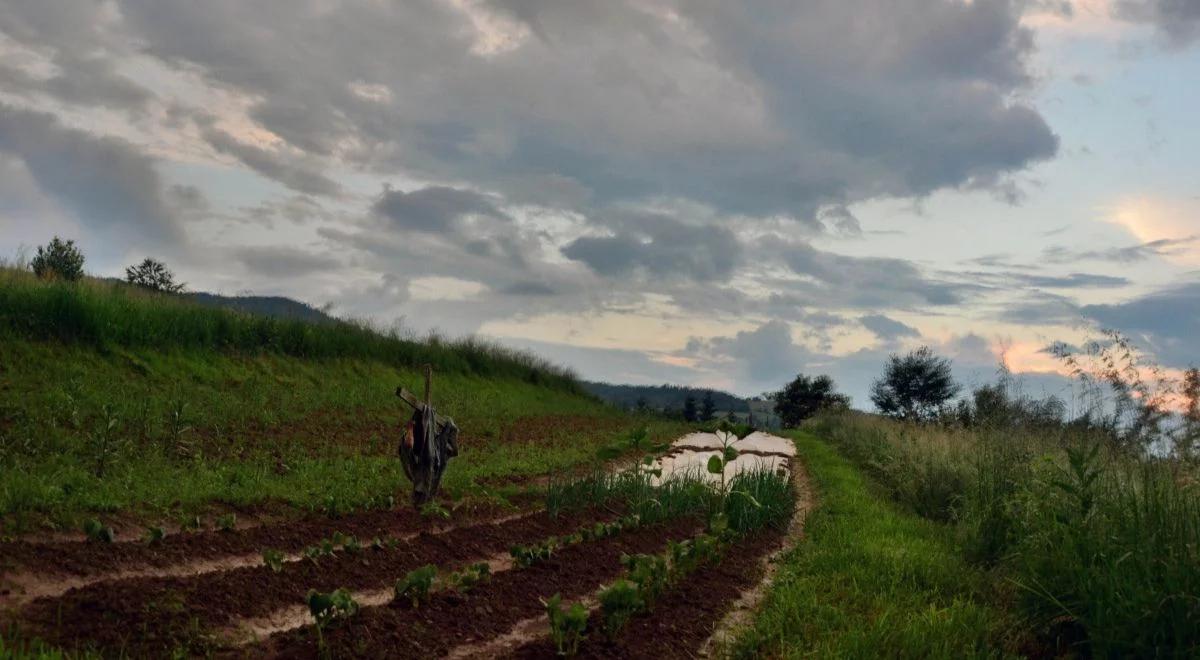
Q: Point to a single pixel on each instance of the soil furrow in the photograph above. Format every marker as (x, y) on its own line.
(451, 620)
(151, 615)
(684, 617)
(21, 588)
(86, 559)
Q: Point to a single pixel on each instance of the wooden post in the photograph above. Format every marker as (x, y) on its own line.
(428, 384)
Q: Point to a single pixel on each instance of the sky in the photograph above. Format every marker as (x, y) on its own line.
(688, 191)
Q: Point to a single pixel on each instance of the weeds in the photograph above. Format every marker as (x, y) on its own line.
(470, 577)
(227, 522)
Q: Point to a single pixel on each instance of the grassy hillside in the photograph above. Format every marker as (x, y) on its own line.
(119, 403)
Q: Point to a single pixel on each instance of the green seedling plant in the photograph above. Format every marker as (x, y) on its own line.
(227, 522)
(471, 576)
(567, 626)
(326, 608)
(155, 535)
(98, 532)
(416, 585)
(273, 559)
(618, 603)
(649, 573)
(435, 511)
(191, 523)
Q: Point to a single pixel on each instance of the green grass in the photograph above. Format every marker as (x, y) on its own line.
(107, 314)
(870, 579)
(136, 415)
(1102, 545)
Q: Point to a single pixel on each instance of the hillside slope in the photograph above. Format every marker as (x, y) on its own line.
(137, 407)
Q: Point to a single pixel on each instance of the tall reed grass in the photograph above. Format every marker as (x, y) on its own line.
(108, 313)
(1103, 546)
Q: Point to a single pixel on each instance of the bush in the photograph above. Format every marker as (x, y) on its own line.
(58, 260)
(153, 275)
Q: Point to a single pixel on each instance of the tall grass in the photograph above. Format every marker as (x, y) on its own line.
(1104, 546)
(113, 314)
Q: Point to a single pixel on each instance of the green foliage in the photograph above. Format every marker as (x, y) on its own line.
(649, 573)
(567, 626)
(869, 576)
(273, 559)
(155, 535)
(416, 585)
(119, 315)
(1103, 545)
(618, 603)
(97, 531)
(914, 387)
(153, 275)
(227, 522)
(471, 576)
(435, 510)
(326, 608)
(804, 397)
(59, 260)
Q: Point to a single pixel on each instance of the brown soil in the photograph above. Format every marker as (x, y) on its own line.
(451, 619)
(149, 616)
(85, 559)
(685, 616)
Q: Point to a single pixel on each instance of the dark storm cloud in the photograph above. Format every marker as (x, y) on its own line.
(877, 282)
(277, 166)
(284, 262)
(758, 108)
(1167, 321)
(1177, 20)
(887, 329)
(661, 247)
(1162, 247)
(106, 182)
(436, 209)
(79, 81)
(767, 353)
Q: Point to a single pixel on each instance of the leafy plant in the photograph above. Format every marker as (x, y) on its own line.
(416, 584)
(469, 577)
(273, 559)
(567, 626)
(155, 535)
(328, 607)
(58, 259)
(649, 573)
(227, 522)
(618, 602)
(434, 510)
(98, 531)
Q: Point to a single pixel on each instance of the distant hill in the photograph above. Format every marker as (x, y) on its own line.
(659, 397)
(275, 306)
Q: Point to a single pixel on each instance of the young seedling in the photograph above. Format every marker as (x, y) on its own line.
(469, 577)
(273, 559)
(618, 602)
(155, 535)
(98, 531)
(227, 522)
(326, 608)
(416, 585)
(567, 626)
(649, 573)
(433, 510)
(191, 523)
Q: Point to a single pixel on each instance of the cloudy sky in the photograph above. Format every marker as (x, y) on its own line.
(694, 191)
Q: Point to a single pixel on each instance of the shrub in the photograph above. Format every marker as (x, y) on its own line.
(914, 387)
(153, 275)
(58, 260)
